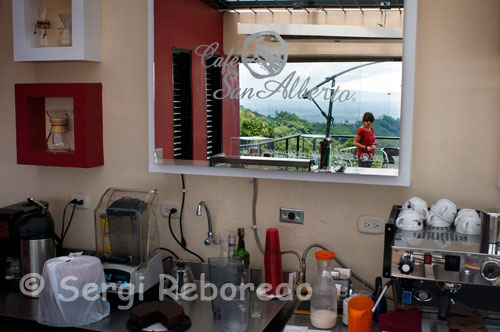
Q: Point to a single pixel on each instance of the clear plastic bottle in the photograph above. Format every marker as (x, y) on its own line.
(324, 293)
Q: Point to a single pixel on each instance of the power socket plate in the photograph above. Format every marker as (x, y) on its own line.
(165, 208)
(371, 225)
(81, 197)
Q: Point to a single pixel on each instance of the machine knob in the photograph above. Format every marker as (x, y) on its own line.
(406, 263)
(490, 270)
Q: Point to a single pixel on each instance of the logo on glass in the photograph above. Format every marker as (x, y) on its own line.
(268, 50)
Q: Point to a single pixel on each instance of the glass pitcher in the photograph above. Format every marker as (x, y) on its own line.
(324, 293)
(58, 140)
(235, 310)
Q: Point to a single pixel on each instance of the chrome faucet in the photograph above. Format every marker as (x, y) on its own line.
(211, 239)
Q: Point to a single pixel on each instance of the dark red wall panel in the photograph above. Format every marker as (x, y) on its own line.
(184, 24)
(88, 130)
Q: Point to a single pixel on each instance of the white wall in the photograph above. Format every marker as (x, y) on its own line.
(456, 143)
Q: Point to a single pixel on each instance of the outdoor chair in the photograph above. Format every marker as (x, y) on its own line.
(389, 154)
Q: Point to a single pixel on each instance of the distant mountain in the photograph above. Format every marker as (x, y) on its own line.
(380, 104)
(284, 123)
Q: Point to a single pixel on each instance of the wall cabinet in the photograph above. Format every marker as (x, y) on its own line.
(57, 30)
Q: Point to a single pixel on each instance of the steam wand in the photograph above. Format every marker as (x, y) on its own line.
(387, 285)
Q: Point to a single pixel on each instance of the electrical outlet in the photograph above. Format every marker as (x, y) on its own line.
(166, 207)
(81, 197)
(371, 225)
(293, 216)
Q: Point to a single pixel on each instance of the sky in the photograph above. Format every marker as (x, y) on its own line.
(375, 87)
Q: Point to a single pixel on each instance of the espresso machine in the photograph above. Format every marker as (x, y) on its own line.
(127, 239)
(440, 271)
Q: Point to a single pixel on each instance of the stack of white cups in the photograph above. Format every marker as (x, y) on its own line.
(443, 213)
(412, 215)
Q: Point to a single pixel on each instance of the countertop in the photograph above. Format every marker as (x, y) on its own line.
(16, 307)
(430, 323)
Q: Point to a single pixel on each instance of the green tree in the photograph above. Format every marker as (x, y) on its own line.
(251, 124)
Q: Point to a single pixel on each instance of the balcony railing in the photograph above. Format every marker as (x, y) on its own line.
(298, 138)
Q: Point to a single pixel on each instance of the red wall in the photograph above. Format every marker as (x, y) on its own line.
(186, 24)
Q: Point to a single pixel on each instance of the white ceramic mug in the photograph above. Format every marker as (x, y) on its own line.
(416, 204)
(410, 221)
(468, 222)
(445, 209)
(435, 220)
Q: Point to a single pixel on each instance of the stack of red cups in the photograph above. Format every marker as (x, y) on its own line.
(272, 262)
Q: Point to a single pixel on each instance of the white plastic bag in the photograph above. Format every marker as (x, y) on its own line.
(72, 292)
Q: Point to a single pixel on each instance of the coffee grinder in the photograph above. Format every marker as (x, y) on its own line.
(127, 240)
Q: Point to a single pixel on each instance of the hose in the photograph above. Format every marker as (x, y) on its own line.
(254, 224)
(254, 216)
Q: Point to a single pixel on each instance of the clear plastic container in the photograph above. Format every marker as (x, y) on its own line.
(126, 226)
(324, 293)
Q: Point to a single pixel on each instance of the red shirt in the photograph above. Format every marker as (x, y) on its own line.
(367, 139)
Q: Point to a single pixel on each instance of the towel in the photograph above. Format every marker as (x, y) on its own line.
(401, 321)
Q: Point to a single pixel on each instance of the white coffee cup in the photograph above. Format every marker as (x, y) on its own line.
(416, 204)
(410, 221)
(445, 209)
(435, 220)
(468, 222)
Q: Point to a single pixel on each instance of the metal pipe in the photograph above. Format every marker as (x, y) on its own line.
(210, 238)
(302, 273)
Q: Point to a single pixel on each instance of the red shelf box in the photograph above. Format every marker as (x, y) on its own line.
(30, 124)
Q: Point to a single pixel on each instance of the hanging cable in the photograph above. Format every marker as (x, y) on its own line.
(64, 231)
(172, 211)
(183, 241)
(254, 216)
(170, 251)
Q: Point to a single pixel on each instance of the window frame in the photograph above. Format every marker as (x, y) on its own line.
(406, 141)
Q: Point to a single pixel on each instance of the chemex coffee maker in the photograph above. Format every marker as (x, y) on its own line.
(127, 239)
(443, 272)
(27, 240)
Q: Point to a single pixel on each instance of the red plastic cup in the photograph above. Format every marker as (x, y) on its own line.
(272, 262)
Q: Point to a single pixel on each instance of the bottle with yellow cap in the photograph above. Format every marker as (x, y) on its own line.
(324, 293)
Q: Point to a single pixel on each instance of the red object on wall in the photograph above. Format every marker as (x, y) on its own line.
(187, 24)
(30, 124)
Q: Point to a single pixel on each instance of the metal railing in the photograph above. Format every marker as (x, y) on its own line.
(302, 138)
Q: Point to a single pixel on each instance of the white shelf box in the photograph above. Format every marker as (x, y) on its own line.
(86, 30)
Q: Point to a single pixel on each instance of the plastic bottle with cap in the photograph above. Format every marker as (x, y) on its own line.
(324, 293)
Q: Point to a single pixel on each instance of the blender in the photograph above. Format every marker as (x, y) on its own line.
(127, 240)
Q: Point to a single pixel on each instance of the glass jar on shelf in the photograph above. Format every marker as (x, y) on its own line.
(324, 293)
(59, 140)
(65, 37)
(42, 25)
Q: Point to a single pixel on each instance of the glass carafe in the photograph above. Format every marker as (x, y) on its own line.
(58, 139)
(65, 33)
(324, 293)
(42, 25)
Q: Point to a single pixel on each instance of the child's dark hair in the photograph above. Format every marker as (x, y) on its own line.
(368, 117)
